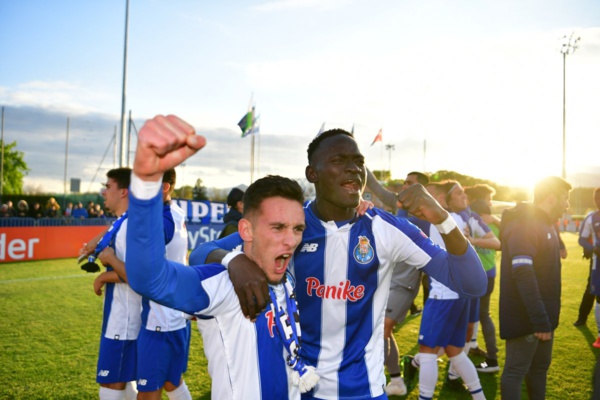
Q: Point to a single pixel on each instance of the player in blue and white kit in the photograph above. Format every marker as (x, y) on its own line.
(404, 286)
(272, 227)
(589, 239)
(121, 315)
(443, 323)
(478, 234)
(163, 341)
(344, 265)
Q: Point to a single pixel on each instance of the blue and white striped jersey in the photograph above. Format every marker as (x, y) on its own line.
(254, 354)
(121, 318)
(156, 317)
(342, 283)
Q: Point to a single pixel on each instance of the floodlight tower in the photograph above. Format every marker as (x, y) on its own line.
(568, 46)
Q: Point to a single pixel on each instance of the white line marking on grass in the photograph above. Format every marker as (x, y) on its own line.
(43, 278)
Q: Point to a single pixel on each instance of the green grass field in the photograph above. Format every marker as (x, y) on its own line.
(50, 327)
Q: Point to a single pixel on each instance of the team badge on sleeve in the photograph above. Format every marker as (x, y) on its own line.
(363, 252)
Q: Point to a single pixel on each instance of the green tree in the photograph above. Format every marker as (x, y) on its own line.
(382, 175)
(199, 191)
(503, 193)
(14, 168)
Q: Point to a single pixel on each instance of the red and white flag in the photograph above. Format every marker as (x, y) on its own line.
(378, 138)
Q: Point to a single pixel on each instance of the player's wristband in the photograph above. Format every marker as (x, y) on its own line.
(447, 226)
(230, 256)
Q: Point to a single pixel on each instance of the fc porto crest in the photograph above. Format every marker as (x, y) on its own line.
(363, 252)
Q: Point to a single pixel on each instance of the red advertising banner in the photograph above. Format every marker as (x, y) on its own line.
(41, 243)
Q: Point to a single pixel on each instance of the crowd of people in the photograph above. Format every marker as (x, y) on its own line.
(299, 301)
(53, 210)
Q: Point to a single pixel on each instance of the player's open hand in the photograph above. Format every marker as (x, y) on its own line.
(163, 143)
(364, 206)
(417, 201)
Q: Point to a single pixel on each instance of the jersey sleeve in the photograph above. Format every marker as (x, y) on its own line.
(168, 224)
(149, 272)
(585, 233)
(463, 274)
(200, 253)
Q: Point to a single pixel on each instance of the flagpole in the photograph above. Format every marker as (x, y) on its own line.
(250, 107)
(382, 162)
(66, 158)
(252, 159)
(258, 158)
(424, 154)
(123, 90)
(2, 158)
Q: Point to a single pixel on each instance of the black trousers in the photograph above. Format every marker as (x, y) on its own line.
(587, 300)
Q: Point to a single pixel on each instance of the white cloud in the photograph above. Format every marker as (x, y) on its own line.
(279, 5)
(60, 96)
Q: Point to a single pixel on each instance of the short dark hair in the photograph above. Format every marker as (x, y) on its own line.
(421, 177)
(479, 191)
(234, 196)
(120, 175)
(316, 142)
(271, 186)
(548, 186)
(447, 186)
(170, 177)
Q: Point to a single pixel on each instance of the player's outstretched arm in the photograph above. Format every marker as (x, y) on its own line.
(164, 142)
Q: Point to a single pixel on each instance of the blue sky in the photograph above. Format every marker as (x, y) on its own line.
(480, 82)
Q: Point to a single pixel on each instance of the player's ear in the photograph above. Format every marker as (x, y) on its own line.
(311, 174)
(245, 229)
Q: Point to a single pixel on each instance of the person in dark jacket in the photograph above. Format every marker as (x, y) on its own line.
(530, 285)
(235, 201)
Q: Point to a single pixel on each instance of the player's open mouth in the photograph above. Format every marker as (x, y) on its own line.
(281, 263)
(351, 185)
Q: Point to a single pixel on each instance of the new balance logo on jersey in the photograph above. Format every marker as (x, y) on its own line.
(344, 291)
(142, 382)
(309, 248)
(103, 373)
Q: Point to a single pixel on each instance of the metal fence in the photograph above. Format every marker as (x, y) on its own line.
(15, 222)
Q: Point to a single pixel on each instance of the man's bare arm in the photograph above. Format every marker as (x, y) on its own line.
(418, 202)
(249, 282)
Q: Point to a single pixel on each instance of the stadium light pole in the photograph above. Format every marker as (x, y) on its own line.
(121, 141)
(568, 46)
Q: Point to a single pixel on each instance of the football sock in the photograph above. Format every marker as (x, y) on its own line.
(131, 391)
(465, 368)
(181, 393)
(428, 375)
(452, 373)
(474, 337)
(111, 394)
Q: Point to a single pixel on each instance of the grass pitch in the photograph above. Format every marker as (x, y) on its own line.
(50, 330)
